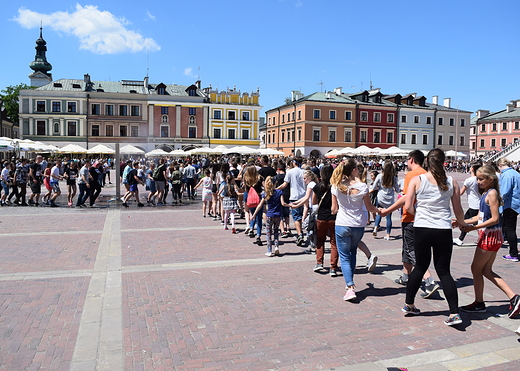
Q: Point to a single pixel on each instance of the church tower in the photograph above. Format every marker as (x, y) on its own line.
(40, 66)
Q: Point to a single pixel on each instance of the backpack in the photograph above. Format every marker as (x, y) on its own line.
(252, 198)
(157, 172)
(130, 178)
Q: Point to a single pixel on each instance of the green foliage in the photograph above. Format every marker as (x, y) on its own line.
(9, 98)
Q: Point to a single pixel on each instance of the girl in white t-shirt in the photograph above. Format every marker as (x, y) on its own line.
(349, 195)
(471, 188)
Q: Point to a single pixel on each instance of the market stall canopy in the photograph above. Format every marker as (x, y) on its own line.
(393, 151)
(157, 153)
(242, 150)
(73, 148)
(130, 150)
(364, 150)
(221, 148)
(332, 153)
(204, 151)
(6, 145)
(270, 152)
(452, 153)
(178, 153)
(101, 148)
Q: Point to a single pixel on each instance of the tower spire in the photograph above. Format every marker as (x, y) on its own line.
(40, 66)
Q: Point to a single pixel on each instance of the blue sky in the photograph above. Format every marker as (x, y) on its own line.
(464, 50)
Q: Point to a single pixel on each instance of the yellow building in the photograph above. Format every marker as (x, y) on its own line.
(234, 117)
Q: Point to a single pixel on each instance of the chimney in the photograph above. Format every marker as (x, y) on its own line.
(338, 91)
(516, 103)
(295, 95)
(447, 102)
(145, 82)
(329, 95)
(197, 84)
(86, 78)
(510, 108)
(482, 113)
(435, 99)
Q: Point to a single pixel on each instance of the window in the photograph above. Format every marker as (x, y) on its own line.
(452, 122)
(274, 123)
(192, 93)
(403, 118)
(493, 143)
(441, 121)
(56, 106)
(299, 134)
(316, 135)
(164, 110)
(451, 140)
(462, 140)
(292, 114)
(364, 116)
(482, 143)
(474, 130)
(316, 114)
(429, 120)
(403, 138)
(245, 134)
(164, 119)
(483, 128)
(389, 136)
(416, 119)
(192, 120)
(348, 115)
(288, 135)
(135, 110)
(71, 128)
(377, 137)
(332, 115)
(217, 114)
(231, 115)
(123, 110)
(245, 116)
(439, 140)
(164, 131)
(494, 127)
(96, 109)
(504, 126)
(123, 131)
(109, 110)
(473, 145)
(217, 133)
(40, 127)
(390, 117)
(348, 136)
(414, 139)
(363, 136)
(377, 117)
(56, 128)
(231, 133)
(161, 91)
(332, 135)
(283, 136)
(517, 125)
(503, 142)
(192, 132)
(299, 115)
(283, 119)
(109, 130)
(192, 111)
(425, 139)
(71, 107)
(95, 130)
(134, 131)
(40, 106)
(462, 122)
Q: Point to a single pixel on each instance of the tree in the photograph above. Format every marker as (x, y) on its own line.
(9, 98)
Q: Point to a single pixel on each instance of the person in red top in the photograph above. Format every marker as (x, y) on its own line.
(414, 162)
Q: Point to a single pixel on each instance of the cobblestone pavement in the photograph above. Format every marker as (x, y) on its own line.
(162, 288)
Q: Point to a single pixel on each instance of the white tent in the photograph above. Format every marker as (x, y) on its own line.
(221, 148)
(73, 148)
(130, 150)
(270, 152)
(178, 153)
(6, 145)
(157, 153)
(393, 151)
(204, 151)
(364, 150)
(243, 150)
(101, 148)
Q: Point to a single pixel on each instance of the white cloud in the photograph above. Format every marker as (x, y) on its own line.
(188, 71)
(98, 31)
(298, 4)
(150, 15)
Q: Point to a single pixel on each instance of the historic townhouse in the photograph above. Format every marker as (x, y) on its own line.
(312, 125)
(495, 131)
(376, 119)
(415, 122)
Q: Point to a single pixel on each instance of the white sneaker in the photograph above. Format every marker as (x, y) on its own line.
(518, 331)
(372, 262)
(457, 242)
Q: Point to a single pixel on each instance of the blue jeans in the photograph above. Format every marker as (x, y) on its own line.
(347, 240)
(84, 193)
(388, 222)
(257, 220)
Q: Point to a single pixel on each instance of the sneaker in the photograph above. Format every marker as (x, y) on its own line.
(140, 205)
(333, 273)
(514, 307)
(215, 219)
(247, 230)
(457, 241)
(474, 308)
(318, 268)
(510, 258)
(374, 233)
(289, 234)
(430, 290)
(69, 204)
(277, 251)
(387, 238)
(251, 233)
(371, 263)
(349, 295)
(233, 230)
(124, 204)
(226, 228)
(411, 310)
(258, 241)
(53, 205)
(284, 235)
(269, 253)
(400, 281)
(452, 321)
(518, 331)
(299, 240)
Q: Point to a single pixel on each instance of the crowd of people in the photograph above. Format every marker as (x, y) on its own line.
(324, 198)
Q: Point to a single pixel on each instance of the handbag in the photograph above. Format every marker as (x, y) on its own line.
(310, 222)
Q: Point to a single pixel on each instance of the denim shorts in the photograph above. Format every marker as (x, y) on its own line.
(297, 213)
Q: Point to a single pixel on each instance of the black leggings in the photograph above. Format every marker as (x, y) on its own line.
(440, 240)
(509, 217)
